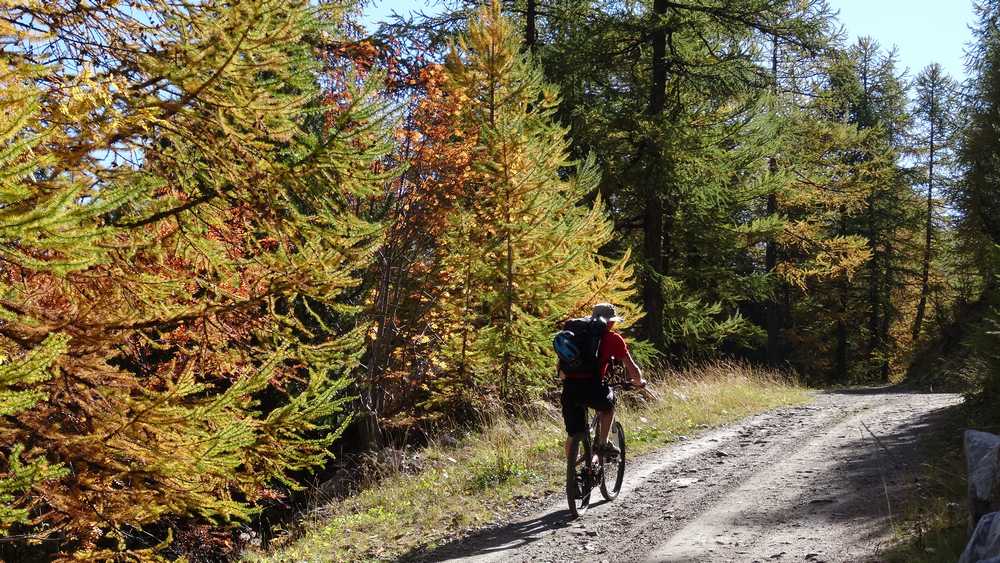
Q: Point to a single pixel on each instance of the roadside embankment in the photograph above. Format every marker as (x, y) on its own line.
(934, 520)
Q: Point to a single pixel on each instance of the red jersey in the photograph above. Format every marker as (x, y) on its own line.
(612, 346)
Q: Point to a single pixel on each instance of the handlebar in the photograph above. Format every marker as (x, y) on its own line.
(618, 379)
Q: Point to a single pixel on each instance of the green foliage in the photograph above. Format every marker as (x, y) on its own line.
(55, 229)
(979, 369)
(975, 238)
(701, 327)
(978, 194)
(871, 307)
(695, 162)
(19, 392)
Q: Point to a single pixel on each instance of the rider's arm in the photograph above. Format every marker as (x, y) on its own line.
(633, 371)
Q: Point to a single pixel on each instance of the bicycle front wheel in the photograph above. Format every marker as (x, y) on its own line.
(614, 468)
(579, 469)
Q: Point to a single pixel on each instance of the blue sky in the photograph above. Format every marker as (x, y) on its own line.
(924, 31)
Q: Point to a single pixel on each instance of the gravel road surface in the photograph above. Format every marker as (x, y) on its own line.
(816, 483)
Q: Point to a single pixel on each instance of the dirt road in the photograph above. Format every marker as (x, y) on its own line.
(814, 483)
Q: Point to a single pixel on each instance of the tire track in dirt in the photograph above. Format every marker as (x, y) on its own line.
(807, 483)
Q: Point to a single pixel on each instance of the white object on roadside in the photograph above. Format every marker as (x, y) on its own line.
(984, 547)
(981, 450)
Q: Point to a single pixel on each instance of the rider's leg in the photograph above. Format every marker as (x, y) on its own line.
(574, 413)
(606, 419)
(606, 413)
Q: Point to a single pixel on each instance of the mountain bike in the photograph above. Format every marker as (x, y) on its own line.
(585, 470)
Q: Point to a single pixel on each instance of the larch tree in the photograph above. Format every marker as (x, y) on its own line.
(795, 64)
(935, 118)
(825, 163)
(865, 91)
(178, 243)
(979, 194)
(406, 345)
(522, 253)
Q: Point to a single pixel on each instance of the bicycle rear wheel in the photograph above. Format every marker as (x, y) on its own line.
(579, 468)
(614, 468)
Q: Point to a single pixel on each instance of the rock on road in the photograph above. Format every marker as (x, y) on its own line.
(815, 483)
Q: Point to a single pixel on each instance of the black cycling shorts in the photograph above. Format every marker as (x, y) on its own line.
(577, 396)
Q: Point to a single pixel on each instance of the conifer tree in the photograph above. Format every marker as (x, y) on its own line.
(179, 241)
(934, 113)
(673, 108)
(795, 65)
(979, 195)
(866, 92)
(826, 166)
(405, 346)
(682, 181)
(522, 252)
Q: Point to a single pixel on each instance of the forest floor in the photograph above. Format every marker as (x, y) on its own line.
(827, 481)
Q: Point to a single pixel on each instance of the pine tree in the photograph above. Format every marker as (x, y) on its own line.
(180, 246)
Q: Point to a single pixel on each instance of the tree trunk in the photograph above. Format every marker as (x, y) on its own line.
(530, 34)
(509, 323)
(774, 352)
(925, 274)
(874, 286)
(888, 314)
(652, 293)
(840, 354)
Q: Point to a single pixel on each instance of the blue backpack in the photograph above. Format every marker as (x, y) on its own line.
(578, 346)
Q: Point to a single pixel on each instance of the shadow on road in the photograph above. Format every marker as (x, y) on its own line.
(877, 479)
(880, 390)
(511, 536)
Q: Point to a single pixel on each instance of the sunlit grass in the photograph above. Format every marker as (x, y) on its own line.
(476, 481)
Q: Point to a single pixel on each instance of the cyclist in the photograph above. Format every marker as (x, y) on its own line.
(582, 390)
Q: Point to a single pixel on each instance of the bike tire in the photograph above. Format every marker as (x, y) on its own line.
(613, 471)
(579, 468)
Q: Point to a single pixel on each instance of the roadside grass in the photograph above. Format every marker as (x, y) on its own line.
(478, 480)
(933, 525)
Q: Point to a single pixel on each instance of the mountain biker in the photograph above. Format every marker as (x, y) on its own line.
(582, 390)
